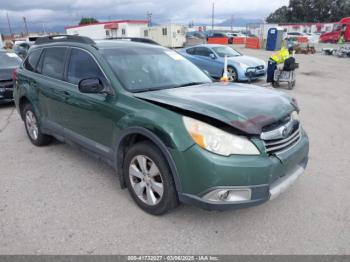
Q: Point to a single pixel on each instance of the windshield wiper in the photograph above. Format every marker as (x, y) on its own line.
(191, 84)
(169, 87)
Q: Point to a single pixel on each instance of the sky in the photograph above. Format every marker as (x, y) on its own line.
(53, 13)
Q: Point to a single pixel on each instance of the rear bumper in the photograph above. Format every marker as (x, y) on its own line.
(6, 93)
(6, 90)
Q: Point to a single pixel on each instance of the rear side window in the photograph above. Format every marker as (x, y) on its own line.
(31, 62)
(53, 62)
(82, 65)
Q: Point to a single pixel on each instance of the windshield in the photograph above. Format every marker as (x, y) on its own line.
(223, 51)
(144, 68)
(9, 60)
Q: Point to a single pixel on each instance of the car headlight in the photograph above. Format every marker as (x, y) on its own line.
(295, 116)
(218, 141)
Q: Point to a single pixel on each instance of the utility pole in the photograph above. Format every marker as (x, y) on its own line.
(8, 21)
(231, 22)
(149, 18)
(25, 25)
(44, 29)
(212, 17)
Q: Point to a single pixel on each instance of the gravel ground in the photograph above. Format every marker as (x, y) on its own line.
(58, 200)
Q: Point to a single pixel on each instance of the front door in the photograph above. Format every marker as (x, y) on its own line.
(88, 118)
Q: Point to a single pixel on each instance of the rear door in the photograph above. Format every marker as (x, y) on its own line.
(51, 87)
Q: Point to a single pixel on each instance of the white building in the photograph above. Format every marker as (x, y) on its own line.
(172, 36)
(103, 30)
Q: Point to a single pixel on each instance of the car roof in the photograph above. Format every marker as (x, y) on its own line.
(101, 44)
(116, 43)
(207, 45)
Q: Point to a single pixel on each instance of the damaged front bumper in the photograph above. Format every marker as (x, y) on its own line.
(242, 181)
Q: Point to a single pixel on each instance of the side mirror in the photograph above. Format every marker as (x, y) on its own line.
(91, 86)
(212, 56)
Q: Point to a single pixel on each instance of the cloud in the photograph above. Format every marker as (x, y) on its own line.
(67, 12)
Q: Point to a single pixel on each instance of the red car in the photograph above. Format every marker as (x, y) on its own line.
(333, 37)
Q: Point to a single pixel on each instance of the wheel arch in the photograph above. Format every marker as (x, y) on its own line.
(23, 100)
(133, 135)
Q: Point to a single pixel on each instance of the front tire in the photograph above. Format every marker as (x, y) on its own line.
(149, 180)
(33, 128)
(232, 74)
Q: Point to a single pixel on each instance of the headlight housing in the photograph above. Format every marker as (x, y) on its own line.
(295, 116)
(218, 141)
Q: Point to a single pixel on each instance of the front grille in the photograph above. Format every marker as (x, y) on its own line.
(275, 146)
(6, 84)
(260, 67)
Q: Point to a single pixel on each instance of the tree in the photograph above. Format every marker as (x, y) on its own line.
(88, 20)
(299, 11)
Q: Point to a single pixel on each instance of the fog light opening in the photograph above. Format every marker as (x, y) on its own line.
(229, 195)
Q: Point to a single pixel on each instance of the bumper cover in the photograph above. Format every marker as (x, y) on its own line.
(260, 193)
(6, 90)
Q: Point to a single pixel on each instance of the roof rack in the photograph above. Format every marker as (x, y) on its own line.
(64, 38)
(135, 39)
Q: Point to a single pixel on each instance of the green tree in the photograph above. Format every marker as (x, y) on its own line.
(87, 20)
(299, 11)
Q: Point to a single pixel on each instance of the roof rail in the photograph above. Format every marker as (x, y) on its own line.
(64, 38)
(135, 39)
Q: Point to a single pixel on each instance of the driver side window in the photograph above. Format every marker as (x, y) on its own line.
(82, 65)
(203, 51)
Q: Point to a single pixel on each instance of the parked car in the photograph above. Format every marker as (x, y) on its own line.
(212, 58)
(195, 38)
(22, 48)
(9, 62)
(221, 35)
(171, 134)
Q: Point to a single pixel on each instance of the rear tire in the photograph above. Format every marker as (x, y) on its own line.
(149, 180)
(32, 126)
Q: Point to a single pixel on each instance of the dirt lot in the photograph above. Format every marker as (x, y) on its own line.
(58, 200)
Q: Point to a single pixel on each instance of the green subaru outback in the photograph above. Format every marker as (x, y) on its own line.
(171, 134)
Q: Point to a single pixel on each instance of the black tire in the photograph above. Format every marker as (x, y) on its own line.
(235, 79)
(169, 199)
(40, 139)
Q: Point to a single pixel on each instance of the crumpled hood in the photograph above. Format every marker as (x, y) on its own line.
(247, 60)
(247, 108)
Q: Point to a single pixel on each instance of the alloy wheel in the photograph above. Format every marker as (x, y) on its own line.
(32, 125)
(231, 74)
(146, 180)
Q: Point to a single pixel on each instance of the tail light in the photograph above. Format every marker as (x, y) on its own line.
(14, 75)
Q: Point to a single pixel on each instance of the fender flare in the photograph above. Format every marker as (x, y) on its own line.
(153, 138)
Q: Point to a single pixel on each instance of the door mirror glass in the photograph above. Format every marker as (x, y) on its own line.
(91, 86)
(212, 56)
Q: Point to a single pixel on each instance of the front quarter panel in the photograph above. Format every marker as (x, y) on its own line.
(165, 124)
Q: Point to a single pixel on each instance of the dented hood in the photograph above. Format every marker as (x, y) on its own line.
(247, 108)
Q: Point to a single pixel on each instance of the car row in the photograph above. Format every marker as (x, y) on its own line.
(9, 62)
(171, 133)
